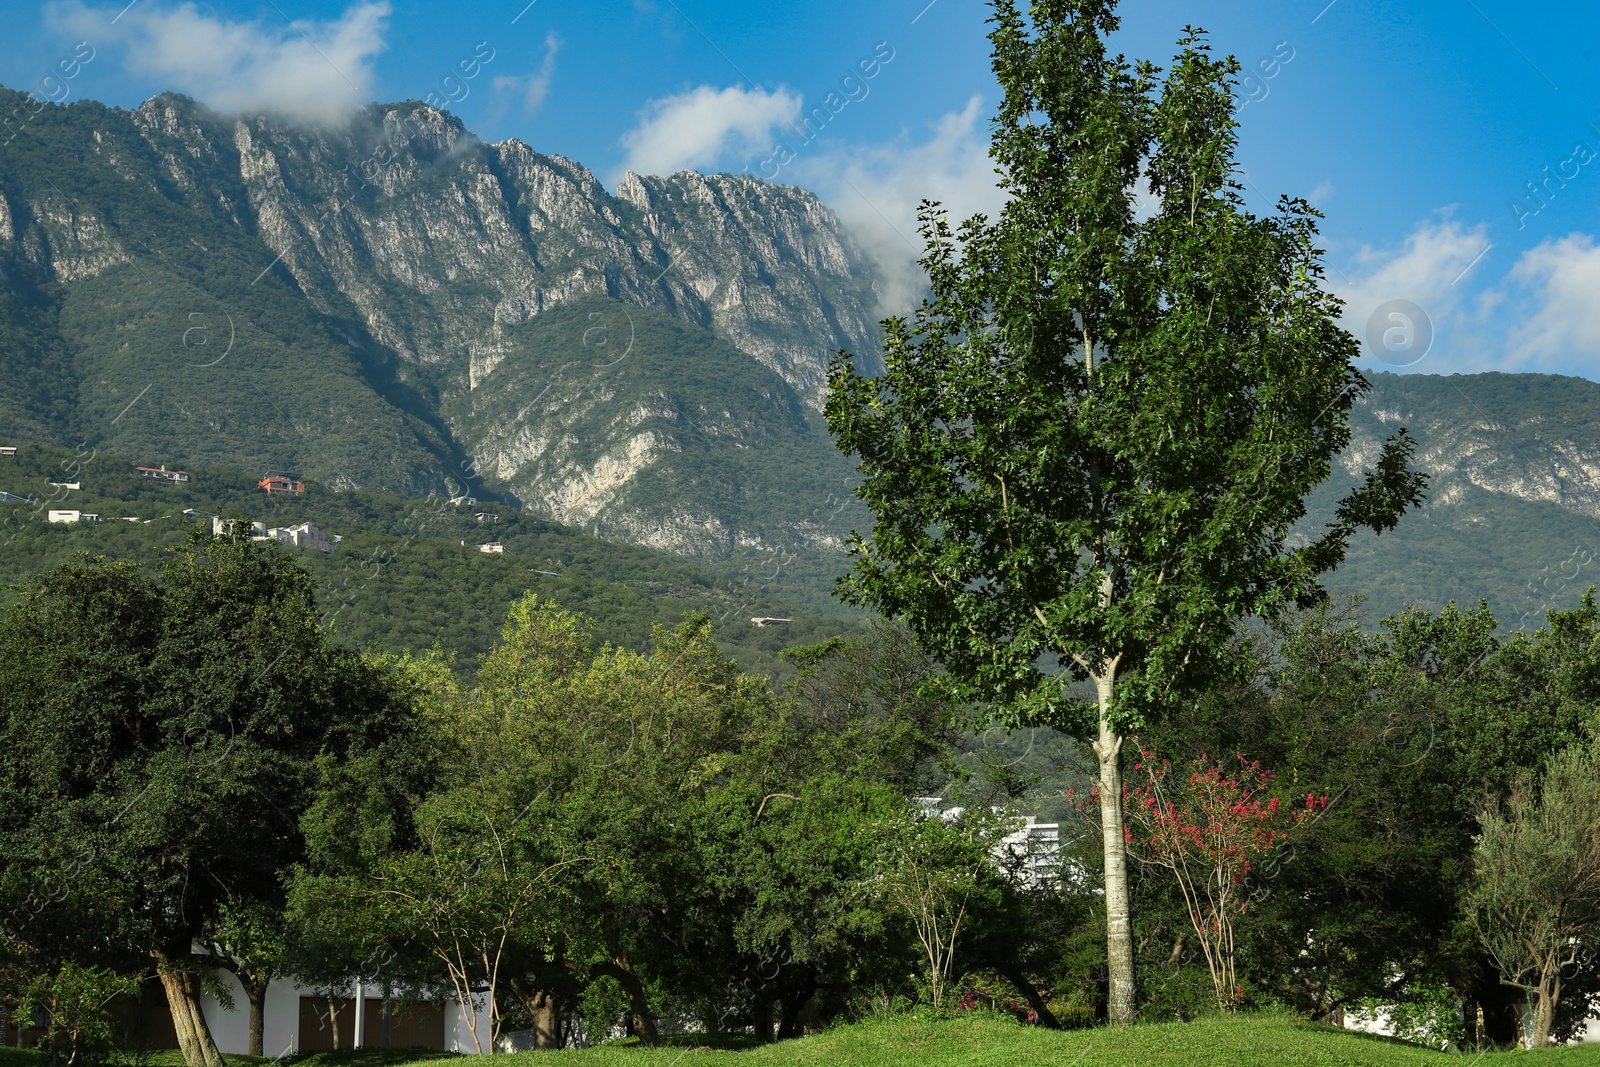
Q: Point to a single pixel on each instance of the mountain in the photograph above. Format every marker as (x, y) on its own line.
(1513, 508)
(395, 305)
(611, 418)
(380, 305)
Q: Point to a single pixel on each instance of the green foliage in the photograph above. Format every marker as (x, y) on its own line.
(1408, 732)
(75, 1002)
(1535, 902)
(401, 580)
(163, 725)
(1092, 441)
(941, 876)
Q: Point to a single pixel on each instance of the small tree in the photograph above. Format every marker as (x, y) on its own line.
(247, 939)
(1537, 863)
(1210, 833)
(937, 872)
(75, 1003)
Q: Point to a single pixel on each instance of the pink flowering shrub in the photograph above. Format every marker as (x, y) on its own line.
(1210, 829)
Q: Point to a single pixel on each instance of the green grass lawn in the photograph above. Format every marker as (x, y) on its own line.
(994, 1041)
(1249, 1041)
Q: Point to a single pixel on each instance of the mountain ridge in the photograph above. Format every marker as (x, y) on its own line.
(395, 304)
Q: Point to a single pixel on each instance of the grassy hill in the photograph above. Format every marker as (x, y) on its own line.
(408, 573)
(1246, 1041)
(993, 1041)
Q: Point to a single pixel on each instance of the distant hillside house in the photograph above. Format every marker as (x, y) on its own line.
(760, 620)
(66, 485)
(463, 501)
(221, 527)
(304, 535)
(8, 450)
(281, 483)
(486, 516)
(161, 474)
(73, 516)
(492, 546)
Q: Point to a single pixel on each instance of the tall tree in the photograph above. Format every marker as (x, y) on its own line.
(162, 730)
(1092, 441)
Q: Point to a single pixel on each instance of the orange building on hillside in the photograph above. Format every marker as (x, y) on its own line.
(281, 483)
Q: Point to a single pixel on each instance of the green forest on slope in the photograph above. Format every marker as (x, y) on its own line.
(408, 573)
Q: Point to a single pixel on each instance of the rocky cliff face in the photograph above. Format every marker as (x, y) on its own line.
(377, 292)
(1528, 437)
(437, 242)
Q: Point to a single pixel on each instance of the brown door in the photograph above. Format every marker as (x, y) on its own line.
(318, 1026)
(411, 1024)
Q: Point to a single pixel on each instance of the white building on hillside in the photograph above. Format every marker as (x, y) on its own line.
(305, 535)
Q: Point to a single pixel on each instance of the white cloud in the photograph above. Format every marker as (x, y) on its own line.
(1319, 196)
(705, 125)
(875, 192)
(528, 91)
(303, 69)
(1425, 270)
(1558, 282)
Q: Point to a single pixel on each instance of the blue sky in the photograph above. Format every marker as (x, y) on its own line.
(1416, 127)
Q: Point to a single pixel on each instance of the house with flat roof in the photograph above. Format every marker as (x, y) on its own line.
(278, 482)
(161, 474)
(73, 516)
(305, 535)
(299, 1017)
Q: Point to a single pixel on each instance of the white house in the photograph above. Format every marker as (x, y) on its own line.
(297, 1019)
(73, 516)
(305, 535)
(221, 526)
(1030, 854)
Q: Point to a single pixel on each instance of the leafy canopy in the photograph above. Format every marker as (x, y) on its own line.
(1093, 440)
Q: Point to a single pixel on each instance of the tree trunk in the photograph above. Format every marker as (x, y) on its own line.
(644, 1024)
(543, 1010)
(1030, 992)
(333, 1020)
(763, 1018)
(1544, 1017)
(1122, 1007)
(793, 1002)
(183, 999)
(255, 990)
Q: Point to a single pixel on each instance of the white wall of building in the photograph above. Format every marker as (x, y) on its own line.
(459, 1025)
(280, 1030)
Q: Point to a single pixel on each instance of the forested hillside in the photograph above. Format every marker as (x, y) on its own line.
(408, 574)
